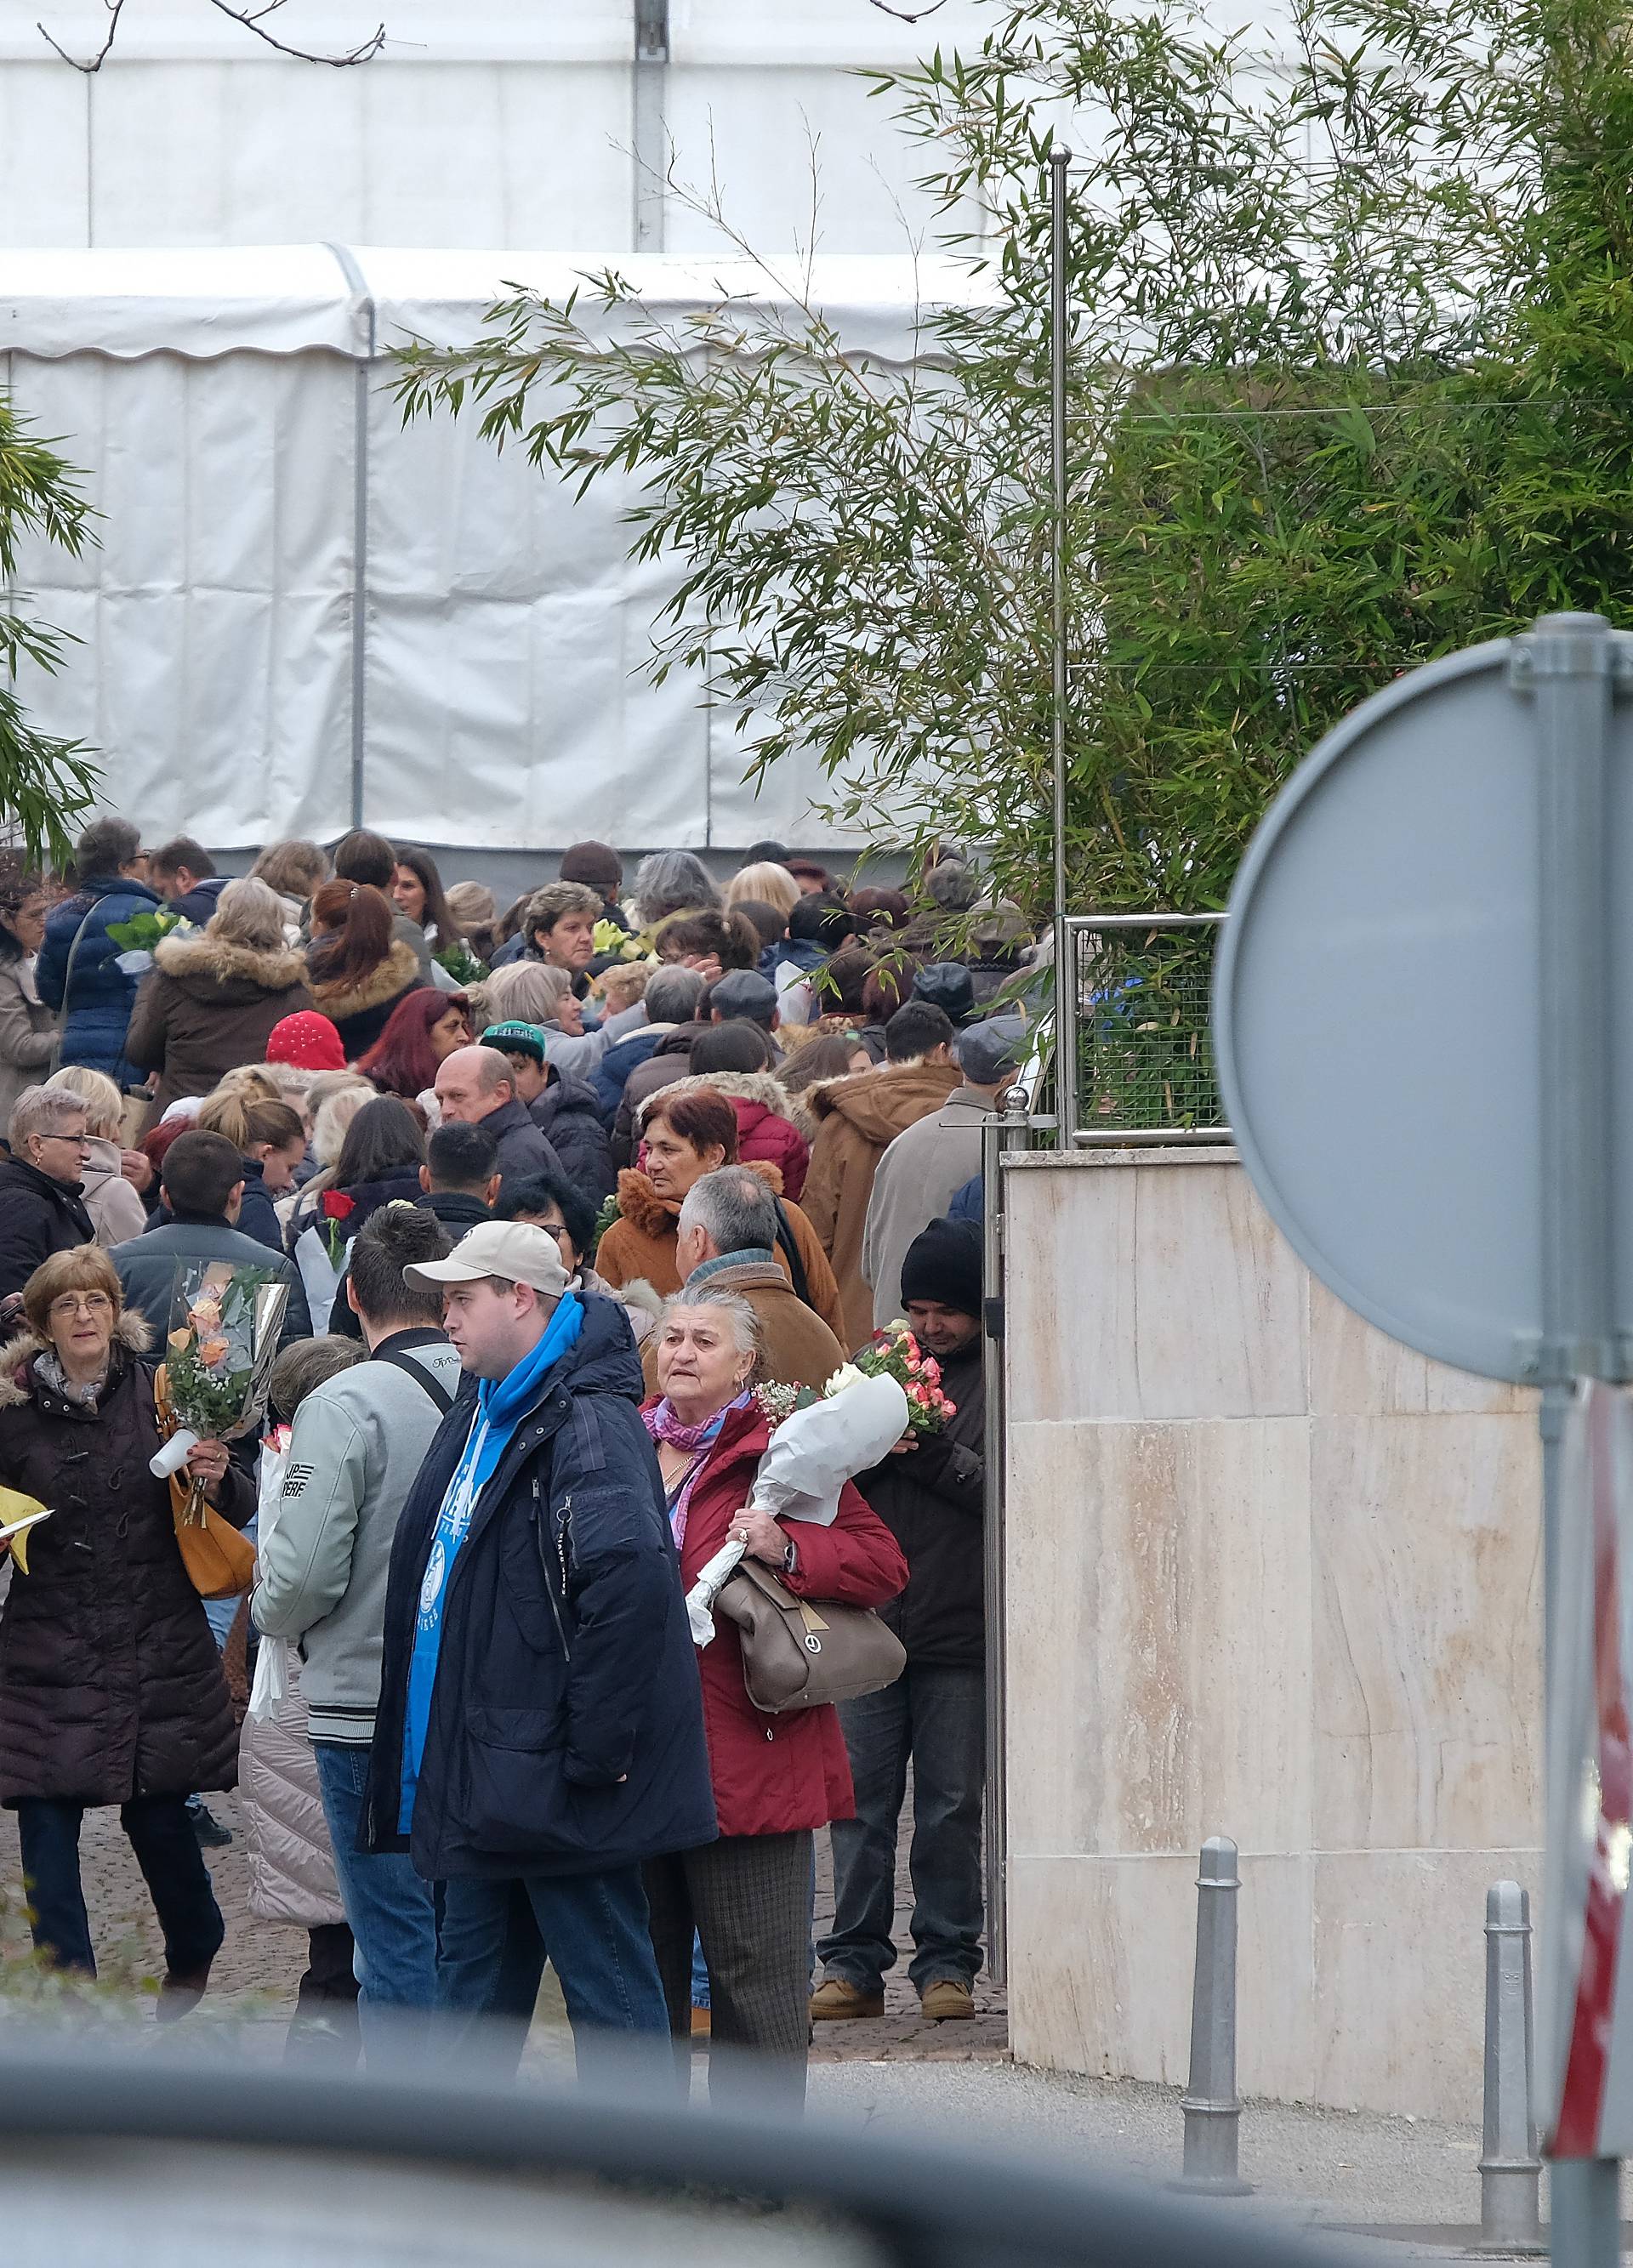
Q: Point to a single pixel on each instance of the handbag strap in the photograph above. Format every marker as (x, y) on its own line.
(68, 983)
(400, 1359)
(789, 1245)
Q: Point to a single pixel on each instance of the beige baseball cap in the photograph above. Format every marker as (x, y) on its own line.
(512, 1248)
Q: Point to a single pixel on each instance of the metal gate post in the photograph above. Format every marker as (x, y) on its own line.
(1510, 2171)
(998, 1136)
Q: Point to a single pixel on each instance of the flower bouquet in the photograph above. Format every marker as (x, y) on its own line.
(894, 1352)
(139, 935)
(461, 962)
(610, 938)
(219, 1357)
(813, 1451)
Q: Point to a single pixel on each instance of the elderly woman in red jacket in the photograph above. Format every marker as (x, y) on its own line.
(777, 1779)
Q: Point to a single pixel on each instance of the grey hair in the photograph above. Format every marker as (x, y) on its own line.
(44, 1110)
(671, 995)
(524, 992)
(734, 1208)
(672, 882)
(106, 845)
(248, 912)
(745, 1324)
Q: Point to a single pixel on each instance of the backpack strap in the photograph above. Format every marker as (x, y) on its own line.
(788, 1245)
(400, 1359)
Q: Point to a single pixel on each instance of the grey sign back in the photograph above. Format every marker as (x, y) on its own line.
(1421, 1010)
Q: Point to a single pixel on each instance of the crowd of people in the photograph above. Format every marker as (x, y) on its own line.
(553, 1195)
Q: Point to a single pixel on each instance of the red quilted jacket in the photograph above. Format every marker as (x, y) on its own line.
(775, 1775)
(764, 1135)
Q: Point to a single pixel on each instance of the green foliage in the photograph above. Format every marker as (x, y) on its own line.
(1349, 355)
(461, 963)
(45, 784)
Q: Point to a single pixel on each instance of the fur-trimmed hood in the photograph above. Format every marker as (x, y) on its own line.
(654, 1216)
(132, 1331)
(736, 1086)
(338, 999)
(236, 972)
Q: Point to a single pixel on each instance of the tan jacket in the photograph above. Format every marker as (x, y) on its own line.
(858, 1118)
(27, 1033)
(639, 1248)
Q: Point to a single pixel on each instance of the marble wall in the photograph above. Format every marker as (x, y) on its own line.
(1272, 1576)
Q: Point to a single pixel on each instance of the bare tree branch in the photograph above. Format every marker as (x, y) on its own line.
(100, 57)
(252, 19)
(902, 14)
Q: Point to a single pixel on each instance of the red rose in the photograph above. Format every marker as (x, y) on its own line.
(337, 1205)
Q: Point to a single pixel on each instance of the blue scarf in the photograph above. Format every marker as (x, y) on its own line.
(501, 1405)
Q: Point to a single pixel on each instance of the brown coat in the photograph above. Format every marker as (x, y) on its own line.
(858, 1118)
(208, 1005)
(110, 1683)
(639, 1248)
(796, 1346)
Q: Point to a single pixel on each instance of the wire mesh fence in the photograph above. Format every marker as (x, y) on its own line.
(1144, 1059)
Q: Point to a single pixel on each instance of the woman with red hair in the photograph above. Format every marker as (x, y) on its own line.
(423, 1029)
(358, 970)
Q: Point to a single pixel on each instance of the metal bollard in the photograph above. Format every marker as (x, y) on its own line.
(1212, 2113)
(1510, 2170)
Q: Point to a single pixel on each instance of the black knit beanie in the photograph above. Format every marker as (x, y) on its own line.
(944, 1265)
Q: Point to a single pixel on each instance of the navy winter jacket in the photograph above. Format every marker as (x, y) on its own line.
(94, 1028)
(568, 1115)
(565, 1734)
(619, 1061)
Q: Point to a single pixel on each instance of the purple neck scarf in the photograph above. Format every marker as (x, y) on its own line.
(663, 1425)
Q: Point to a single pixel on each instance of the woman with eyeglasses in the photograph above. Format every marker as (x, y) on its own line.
(111, 1689)
(42, 1207)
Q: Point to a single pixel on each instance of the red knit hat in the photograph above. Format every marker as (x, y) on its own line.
(307, 1041)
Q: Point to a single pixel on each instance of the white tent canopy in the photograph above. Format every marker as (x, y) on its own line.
(304, 616)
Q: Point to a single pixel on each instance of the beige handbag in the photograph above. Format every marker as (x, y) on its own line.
(799, 1654)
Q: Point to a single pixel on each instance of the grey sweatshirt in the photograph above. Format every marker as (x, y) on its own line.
(355, 1451)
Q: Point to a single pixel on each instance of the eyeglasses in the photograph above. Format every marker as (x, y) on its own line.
(74, 1141)
(80, 1303)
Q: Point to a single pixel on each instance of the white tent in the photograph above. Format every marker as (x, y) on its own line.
(303, 616)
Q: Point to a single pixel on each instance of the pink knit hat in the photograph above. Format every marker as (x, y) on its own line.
(307, 1041)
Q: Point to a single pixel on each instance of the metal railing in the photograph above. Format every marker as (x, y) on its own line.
(1134, 1061)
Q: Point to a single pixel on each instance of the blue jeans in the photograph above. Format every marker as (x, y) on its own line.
(937, 1717)
(493, 1940)
(166, 1850)
(390, 1908)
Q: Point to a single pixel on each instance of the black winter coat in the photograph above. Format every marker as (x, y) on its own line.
(110, 1683)
(38, 1217)
(523, 1149)
(567, 1721)
(568, 1115)
(931, 1499)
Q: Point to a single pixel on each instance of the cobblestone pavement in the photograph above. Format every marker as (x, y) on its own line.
(255, 1976)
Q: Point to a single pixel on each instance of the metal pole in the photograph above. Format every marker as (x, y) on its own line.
(1567, 662)
(1212, 2113)
(998, 1134)
(649, 134)
(1510, 2171)
(1065, 948)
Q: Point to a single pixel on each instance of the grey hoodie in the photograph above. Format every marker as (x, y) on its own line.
(355, 1450)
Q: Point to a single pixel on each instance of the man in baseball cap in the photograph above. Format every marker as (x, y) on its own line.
(540, 1731)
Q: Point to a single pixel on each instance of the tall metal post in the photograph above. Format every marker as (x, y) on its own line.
(1065, 950)
(1510, 2172)
(1567, 663)
(1212, 2112)
(649, 126)
(998, 1136)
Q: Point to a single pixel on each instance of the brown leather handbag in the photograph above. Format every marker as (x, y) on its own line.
(799, 1654)
(219, 1561)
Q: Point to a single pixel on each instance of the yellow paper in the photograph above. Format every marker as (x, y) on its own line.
(15, 1506)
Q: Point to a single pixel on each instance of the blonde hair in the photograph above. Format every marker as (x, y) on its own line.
(766, 884)
(293, 868)
(105, 1106)
(333, 1123)
(627, 980)
(248, 913)
(247, 1119)
(251, 1082)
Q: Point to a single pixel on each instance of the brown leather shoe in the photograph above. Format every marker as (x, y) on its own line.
(837, 2000)
(947, 2001)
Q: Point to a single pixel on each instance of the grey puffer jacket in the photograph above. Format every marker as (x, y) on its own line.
(355, 1451)
(292, 1864)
